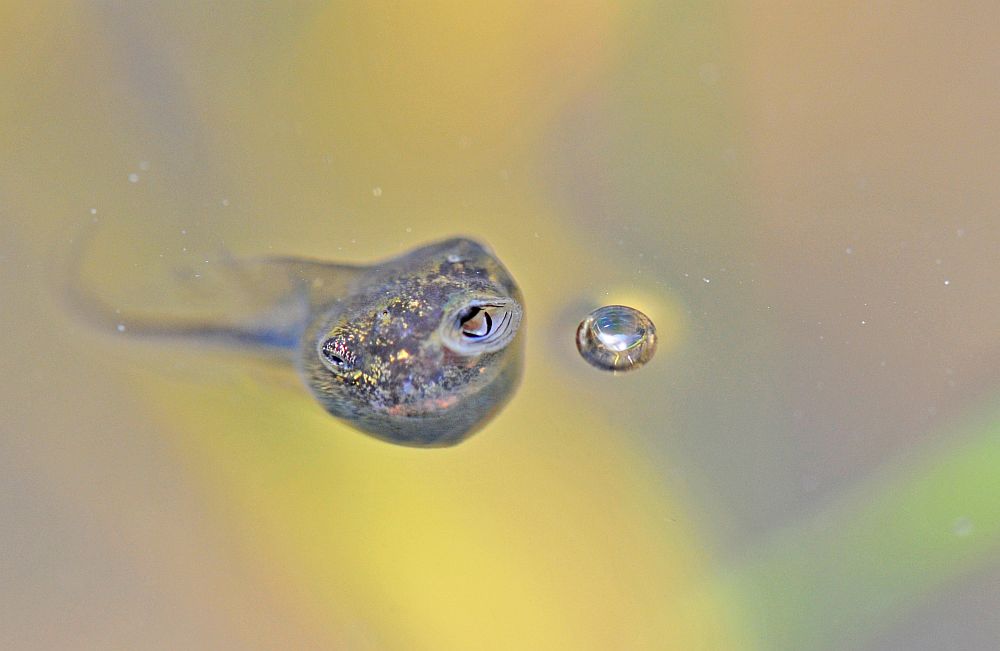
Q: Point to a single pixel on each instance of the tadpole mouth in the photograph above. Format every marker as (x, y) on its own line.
(481, 325)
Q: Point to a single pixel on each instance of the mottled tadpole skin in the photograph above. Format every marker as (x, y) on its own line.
(421, 349)
(391, 356)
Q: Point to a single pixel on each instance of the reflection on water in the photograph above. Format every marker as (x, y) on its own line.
(802, 200)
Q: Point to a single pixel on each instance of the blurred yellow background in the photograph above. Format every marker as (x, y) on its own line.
(800, 196)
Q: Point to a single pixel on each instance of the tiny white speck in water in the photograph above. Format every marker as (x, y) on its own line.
(947, 282)
(848, 250)
(863, 322)
(409, 230)
(962, 527)
(184, 231)
(709, 74)
(707, 280)
(121, 327)
(225, 202)
(377, 191)
(133, 178)
(93, 211)
(144, 165)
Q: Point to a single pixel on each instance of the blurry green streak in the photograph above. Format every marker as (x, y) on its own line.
(834, 579)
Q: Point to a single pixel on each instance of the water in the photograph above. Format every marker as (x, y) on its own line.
(759, 181)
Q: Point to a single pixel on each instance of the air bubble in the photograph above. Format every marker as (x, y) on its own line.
(616, 338)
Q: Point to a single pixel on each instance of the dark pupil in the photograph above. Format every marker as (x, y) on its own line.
(474, 321)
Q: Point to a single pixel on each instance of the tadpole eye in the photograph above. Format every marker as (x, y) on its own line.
(336, 355)
(476, 323)
(481, 326)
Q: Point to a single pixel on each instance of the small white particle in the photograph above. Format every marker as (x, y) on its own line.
(93, 211)
(121, 327)
(863, 322)
(709, 74)
(947, 282)
(133, 178)
(184, 231)
(962, 527)
(707, 280)
(848, 250)
(144, 165)
(225, 202)
(409, 230)
(377, 191)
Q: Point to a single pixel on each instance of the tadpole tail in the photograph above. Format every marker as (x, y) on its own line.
(263, 302)
(99, 314)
